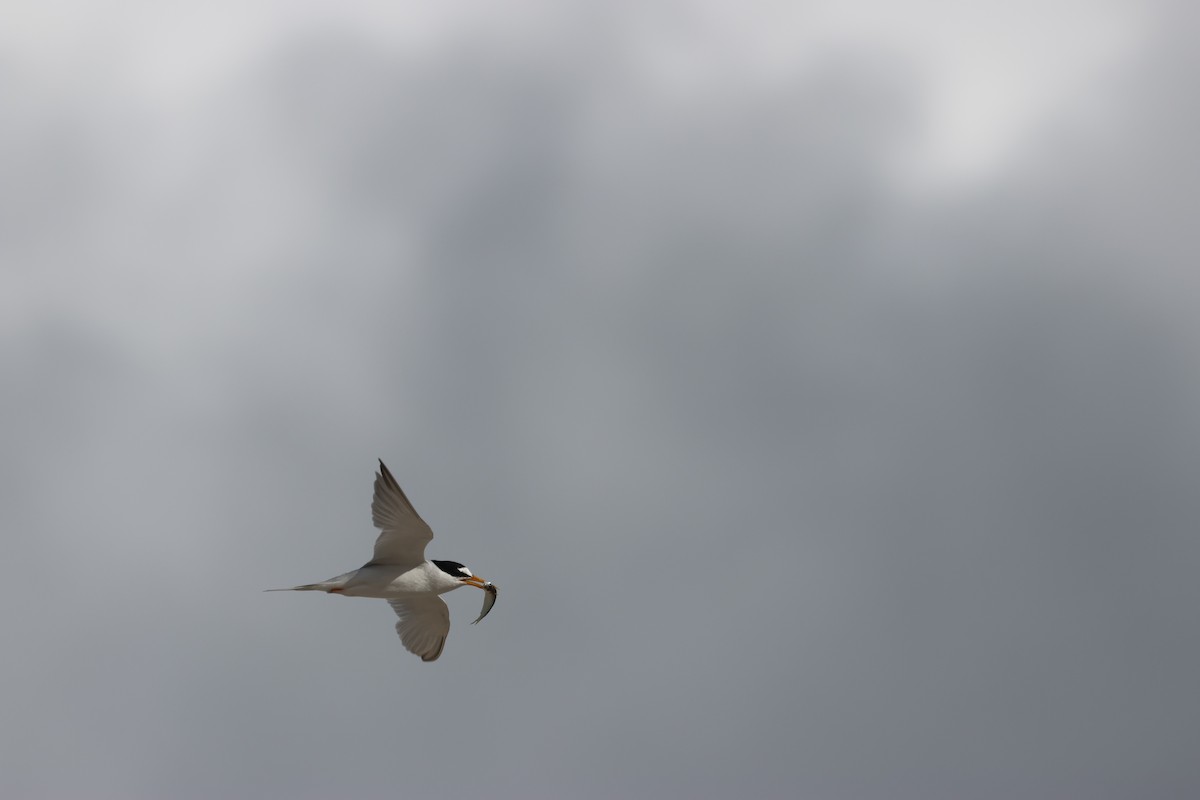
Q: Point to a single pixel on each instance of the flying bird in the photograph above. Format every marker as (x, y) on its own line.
(400, 573)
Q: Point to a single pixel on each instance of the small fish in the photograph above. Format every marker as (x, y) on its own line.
(489, 600)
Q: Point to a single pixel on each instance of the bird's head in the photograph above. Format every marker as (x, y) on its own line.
(465, 577)
(460, 573)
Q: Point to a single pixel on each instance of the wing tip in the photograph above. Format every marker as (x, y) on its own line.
(436, 653)
(384, 477)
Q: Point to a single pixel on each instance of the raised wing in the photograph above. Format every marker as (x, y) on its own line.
(403, 534)
(424, 624)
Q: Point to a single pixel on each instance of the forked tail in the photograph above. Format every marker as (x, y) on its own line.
(308, 587)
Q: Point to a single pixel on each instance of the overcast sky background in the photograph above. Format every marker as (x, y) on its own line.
(820, 383)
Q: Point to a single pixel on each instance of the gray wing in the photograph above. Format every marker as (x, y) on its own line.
(424, 624)
(403, 534)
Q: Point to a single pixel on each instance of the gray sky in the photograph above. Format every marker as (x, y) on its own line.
(819, 383)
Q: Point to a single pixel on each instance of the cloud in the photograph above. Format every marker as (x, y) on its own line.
(798, 476)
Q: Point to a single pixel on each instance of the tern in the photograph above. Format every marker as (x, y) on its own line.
(400, 573)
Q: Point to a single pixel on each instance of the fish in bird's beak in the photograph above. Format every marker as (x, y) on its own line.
(489, 599)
